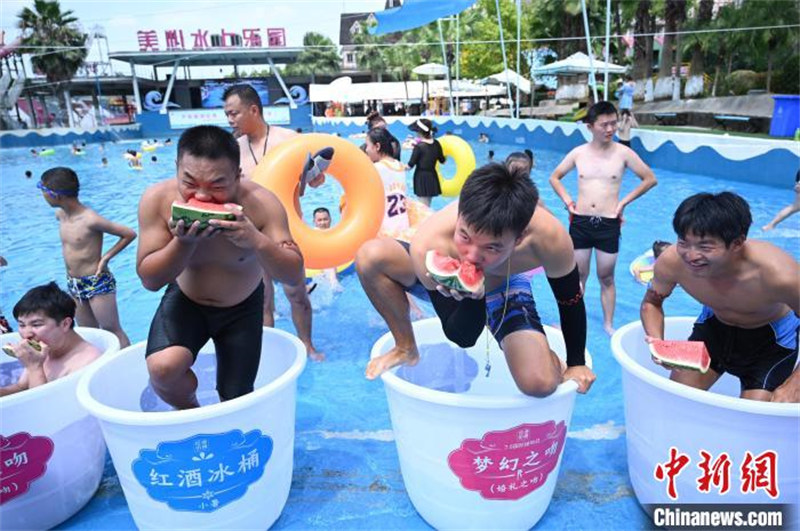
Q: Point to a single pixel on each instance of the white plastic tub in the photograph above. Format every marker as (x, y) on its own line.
(660, 414)
(52, 451)
(448, 418)
(222, 466)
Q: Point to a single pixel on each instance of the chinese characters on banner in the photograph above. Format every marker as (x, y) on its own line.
(23, 460)
(205, 472)
(756, 472)
(201, 40)
(507, 465)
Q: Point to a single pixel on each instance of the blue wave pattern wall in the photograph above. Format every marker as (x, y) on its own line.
(63, 136)
(764, 161)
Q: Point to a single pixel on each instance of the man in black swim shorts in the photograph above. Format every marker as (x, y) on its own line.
(214, 275)
(596, 218)
(496, 226)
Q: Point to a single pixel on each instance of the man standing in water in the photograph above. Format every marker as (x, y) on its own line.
(244, 111)
(213, 275)
(750, 292)
(496, 226)
(596, 218)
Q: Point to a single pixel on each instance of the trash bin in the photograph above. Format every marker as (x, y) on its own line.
(786, 116)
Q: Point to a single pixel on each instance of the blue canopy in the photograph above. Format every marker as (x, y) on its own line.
(415, 13)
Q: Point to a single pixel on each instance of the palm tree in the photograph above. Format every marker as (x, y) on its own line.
(56, 44)
(401, 60)
(674, 15)
(319, 56)
(370, 55)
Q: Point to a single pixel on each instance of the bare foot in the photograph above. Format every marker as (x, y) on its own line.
(767, 228)
(396, 356)
(609, 328)
(314, 354)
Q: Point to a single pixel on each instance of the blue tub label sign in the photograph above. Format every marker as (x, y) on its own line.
(204, 472)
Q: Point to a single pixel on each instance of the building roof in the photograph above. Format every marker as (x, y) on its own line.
(213, 57)
(346, 22)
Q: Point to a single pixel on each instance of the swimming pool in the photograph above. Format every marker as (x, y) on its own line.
(346, 467)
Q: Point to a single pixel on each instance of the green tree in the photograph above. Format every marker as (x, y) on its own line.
(56, 44)
(674, 14)
(401, 60)
(370, 55)
(319, 56)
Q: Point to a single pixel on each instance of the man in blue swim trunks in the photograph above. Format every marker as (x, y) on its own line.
(496, 226)
(750, 292)
(214, 275)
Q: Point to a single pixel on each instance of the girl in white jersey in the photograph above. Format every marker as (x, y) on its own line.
(393, 174)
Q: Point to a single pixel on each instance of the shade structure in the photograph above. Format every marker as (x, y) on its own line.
(577, 63)
(430, 69)
(415, 13)
(510, 77)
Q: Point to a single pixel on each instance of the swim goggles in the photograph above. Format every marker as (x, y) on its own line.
(55, 194)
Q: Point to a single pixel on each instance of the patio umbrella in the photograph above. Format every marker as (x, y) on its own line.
(430, 69)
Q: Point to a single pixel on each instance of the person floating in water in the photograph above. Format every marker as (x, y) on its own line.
(256, 138)
(750, 292)
(89, 280)
(788, 210)
(496, 226)
(483, 138)
(322, 221)
(596, 217)
(214, 275)
(49, 348)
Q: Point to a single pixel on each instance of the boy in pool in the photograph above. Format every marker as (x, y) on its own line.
(81, 229)
(214, 275)
(496, 226)
(50, 347)
(322, 221)
(750, 292)
(596, 218)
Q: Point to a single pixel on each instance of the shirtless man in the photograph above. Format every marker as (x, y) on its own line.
(214, 275)
(750, 292)
(256, 137)
(46, 317)
(495, 226)
(81, 229)
(596, 219)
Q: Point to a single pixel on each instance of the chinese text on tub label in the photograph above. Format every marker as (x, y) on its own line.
(204, 472)
(507, 465)
(23, 460)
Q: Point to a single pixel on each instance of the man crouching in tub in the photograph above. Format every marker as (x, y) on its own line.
(496, 226)
(213, 276)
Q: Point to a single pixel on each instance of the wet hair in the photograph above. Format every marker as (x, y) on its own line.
(154, 159)
(28, 174)
(598, 109)
(63, 180)
(48, 299)
(659, 246)
(383, 138)
(374, 117)
(104, 160)
(529, 153)
(520, 159)
(725, 215)
(625, 112)
(491, 154)
(210, 142)
(323, 210)
(298, 130)
(495, 199)
(247, 94)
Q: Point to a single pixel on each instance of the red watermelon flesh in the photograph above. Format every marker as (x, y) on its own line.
(452, 273)
(691, 355)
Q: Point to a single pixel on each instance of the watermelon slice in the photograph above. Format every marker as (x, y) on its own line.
(452, 273)
(9, 349)
(194, 210)
(691, 355)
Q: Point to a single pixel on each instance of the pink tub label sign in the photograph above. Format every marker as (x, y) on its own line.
(23, 460)
(507, 465)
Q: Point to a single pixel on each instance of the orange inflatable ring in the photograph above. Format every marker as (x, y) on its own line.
(280, 171)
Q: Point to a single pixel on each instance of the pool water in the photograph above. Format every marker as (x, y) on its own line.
(346, 469)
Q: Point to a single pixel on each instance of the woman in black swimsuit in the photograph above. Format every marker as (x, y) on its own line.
(426, 153)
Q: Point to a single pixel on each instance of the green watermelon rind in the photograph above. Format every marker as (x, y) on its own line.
(190, 214)
(450, 281)
(664, 358)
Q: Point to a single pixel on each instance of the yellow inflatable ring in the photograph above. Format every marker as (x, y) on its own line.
(343, 269)
(462, 154)
(46, 152)
(280, 172)
(149, 147)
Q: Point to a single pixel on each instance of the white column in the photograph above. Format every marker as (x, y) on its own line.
(292, 104)
(165, 102)
(136, 97)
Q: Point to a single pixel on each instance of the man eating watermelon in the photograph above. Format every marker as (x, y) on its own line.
(213, 274)
(477, 249)
(750, 292)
